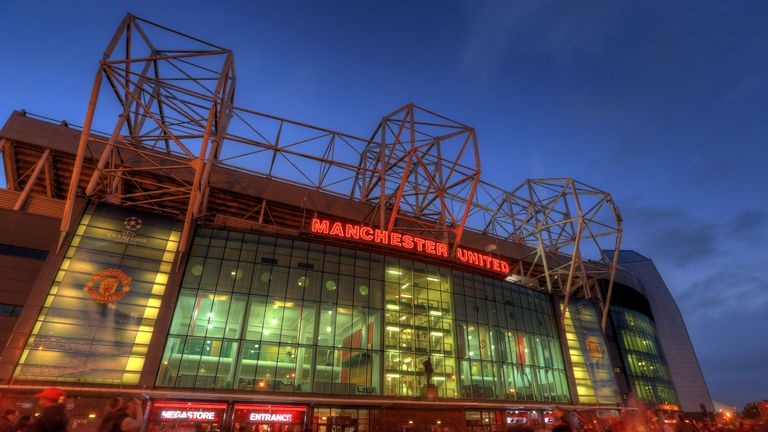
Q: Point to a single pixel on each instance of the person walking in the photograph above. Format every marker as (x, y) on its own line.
(23, 424)
(6, 421)
(561, 421)
(54, 417)
(121, 416)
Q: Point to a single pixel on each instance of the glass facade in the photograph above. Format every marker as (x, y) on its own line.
(507, 340)
(335, 419)
(648, 373)
(98, 318)
(261, 313)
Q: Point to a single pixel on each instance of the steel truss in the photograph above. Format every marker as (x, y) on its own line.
(419, 171)
(174, 105)
(565, 221)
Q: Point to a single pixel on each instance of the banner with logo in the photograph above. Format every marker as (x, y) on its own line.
(583, 321)
(98, 318)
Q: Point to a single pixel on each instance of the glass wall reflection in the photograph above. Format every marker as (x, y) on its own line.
(644, 362)
(261, 313)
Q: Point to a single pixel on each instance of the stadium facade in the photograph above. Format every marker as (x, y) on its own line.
(242, 271)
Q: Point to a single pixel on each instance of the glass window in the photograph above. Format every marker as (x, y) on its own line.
(638, 344)
(264, 314)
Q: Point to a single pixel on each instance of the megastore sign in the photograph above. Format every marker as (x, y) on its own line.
(188, 415)
(407, 242)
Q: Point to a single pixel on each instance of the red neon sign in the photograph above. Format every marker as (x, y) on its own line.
(406, 241)
(187, 412)
(188, 415)
(268, 414)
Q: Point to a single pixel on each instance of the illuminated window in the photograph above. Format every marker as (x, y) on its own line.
(639, 346)
(323, 319)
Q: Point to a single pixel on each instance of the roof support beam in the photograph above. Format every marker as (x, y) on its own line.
(32, 179)
(614, 264)
(48, 167)
(82, 149)
(11, 178)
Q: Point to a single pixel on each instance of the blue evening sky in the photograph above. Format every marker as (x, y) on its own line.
(662, 103)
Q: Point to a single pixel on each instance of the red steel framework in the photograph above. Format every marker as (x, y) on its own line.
(175, 104)
(424, 168)
(419, 171)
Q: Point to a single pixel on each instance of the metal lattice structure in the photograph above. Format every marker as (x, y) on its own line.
(565, 221)
(419, 172)
(175, 101)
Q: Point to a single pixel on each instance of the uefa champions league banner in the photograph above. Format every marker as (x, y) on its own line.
(98, 318)
(592, 344)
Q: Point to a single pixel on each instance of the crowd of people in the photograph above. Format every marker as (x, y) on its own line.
(126, 415)
(637, 420)
(120, 415)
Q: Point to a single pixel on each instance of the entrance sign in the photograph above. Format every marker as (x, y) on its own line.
(407, 242)
(261, 414)
(267, 417)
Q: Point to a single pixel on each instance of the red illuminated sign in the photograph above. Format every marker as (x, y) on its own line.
(268, 414)
(406, 241)
(270, 417)
(187, 412)
(187, 415)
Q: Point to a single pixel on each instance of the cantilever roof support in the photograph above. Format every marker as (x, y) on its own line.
(10, 164)
(31, 181)
(572, 268)
(48, 176)
(614, 264)
(82, 147)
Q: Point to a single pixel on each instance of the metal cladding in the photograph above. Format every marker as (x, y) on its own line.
(419, 172)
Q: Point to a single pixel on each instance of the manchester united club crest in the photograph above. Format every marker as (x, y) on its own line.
(593, 347)
(108, 286)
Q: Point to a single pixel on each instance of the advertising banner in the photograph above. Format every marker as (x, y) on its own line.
(97, 321)
(585, 324)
